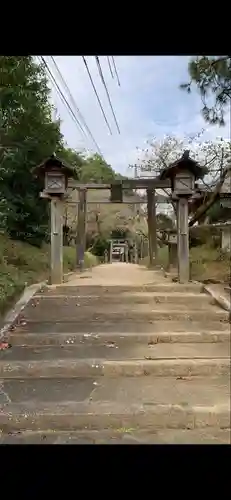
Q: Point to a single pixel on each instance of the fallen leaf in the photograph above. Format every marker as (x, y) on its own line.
(5, 345)
(110, 344)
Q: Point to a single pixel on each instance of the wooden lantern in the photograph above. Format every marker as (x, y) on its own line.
(55, 174)
(183, 174)
(183, 183)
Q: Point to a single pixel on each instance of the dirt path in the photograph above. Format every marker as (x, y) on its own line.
(118, 273)
(118, 354)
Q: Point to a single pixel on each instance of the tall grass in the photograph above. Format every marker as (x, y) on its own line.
(22, 264)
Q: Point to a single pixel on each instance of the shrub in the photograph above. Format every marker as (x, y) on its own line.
(22, 264)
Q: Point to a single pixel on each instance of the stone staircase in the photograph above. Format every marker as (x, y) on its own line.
(117, 364)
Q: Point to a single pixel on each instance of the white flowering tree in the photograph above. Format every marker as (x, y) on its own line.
(159, 154)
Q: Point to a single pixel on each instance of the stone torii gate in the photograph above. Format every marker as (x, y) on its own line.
(116, 188)
(180, 177)
(83, 202)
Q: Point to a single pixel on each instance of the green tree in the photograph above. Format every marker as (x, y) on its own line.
(101, 219)
(96, 169)
(73, 158)
(28, 135)
(100, 244)
(212, 76)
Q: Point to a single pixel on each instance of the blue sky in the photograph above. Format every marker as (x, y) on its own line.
(148, 103)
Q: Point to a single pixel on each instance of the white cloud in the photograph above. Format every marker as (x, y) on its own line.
(148, 103)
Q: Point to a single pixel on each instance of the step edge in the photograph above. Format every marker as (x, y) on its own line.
(101, 362)
(105, 408)
(118, 335)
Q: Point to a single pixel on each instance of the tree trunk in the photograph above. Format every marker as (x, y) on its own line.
(203, 208)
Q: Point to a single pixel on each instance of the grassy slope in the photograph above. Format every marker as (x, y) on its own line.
(206, 263)
(209, 263)
(22, 264)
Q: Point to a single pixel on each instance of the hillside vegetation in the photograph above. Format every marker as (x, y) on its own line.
(28, 135)
(22, 264)
(206, 263)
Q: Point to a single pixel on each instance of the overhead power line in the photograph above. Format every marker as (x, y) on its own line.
(62, 97)
(75, 105)
(105, 86)
(93, 85)
(109, 64)
(114, 65)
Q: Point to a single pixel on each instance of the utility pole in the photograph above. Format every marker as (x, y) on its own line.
(136, 177)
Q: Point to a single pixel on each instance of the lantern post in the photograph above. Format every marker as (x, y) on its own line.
(172, 248)
(55, 174)
(183, 174)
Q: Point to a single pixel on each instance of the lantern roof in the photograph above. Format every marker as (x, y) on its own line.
(185, 163)
(54, 164)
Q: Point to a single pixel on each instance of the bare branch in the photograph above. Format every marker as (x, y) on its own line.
(225, 58)
(204, 208)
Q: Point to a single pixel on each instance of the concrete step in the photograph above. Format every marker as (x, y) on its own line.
(168, 287)
(139, 304)
(147, 391)
(120, 436)
(123, 314)
(117, 351)
(126, 405)
(192, 300)
(122, 339)
(126, 326)
(110, 415)
(67, 367)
